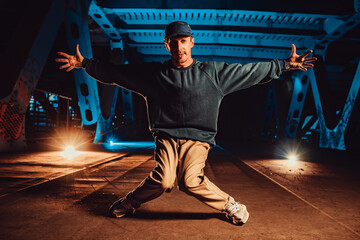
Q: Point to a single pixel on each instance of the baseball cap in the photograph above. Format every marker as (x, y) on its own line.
(178, 28)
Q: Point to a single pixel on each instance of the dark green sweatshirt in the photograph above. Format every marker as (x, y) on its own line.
(184, 102)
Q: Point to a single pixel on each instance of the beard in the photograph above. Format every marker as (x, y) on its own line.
(180, 57)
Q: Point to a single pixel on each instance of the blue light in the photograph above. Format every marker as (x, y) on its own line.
(140, 145)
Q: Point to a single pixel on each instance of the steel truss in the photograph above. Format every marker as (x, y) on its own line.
(241, 35)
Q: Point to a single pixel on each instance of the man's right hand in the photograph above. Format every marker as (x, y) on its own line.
(70, 61)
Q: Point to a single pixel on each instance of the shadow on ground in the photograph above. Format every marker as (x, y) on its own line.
(99, 202)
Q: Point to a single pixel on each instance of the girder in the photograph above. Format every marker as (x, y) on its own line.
(214, 17)
(334, 138)
(78, 33)
(301, 84)
(226, 27)
(217, 50)
(225, 38)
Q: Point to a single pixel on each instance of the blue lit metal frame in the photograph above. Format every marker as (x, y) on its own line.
(101, 19)
(215, 17)
(77, 29)
(19, 99)
(334, 138)
(224, 37)
(238, 44)
(217, 50)
(301, 84)
(104, 126)
(335, 31)
(329, 28)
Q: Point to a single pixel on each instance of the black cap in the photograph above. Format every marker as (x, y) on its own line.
(178, 28)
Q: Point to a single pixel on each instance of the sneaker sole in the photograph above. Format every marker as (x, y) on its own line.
(117, 214)
(241, 221)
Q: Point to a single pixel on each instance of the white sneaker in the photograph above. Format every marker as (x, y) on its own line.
(237, 212)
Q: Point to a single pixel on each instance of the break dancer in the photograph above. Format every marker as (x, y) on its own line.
(183, 97)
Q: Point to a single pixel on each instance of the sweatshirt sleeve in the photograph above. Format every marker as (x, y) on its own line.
(134, 77)
(234, 77)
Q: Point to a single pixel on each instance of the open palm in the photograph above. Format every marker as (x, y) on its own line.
(71, 61)
(300, 61)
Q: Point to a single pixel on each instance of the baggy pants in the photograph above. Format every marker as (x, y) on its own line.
(185, 160)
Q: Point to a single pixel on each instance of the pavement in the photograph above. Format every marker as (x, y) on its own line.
(47, 196)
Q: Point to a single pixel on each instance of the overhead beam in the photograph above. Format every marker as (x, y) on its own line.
(334, 32)
(217, 50)
(214, 17)
(316, 31)
(225, 37)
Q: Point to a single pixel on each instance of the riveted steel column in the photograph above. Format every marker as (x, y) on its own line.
(104, 129)
(76, 23)
(104, 126)
(301, 83)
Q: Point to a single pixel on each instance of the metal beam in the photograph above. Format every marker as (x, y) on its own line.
(336, 31)
(217, 50)
(214, 17)
(301, 83)
(104, 125)
(77, 29)
(313, 29)
(101, 19)
(105, 128)
(334, 138)
(225, 38)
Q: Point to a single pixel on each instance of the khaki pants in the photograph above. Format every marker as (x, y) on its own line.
(184, 159)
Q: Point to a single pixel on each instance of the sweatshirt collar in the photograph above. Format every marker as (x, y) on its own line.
(169, 63)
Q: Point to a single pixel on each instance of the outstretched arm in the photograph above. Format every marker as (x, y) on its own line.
(296, 61)
(71, 61)
(134, 77)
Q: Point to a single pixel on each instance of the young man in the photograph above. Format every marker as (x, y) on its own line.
(183, 97)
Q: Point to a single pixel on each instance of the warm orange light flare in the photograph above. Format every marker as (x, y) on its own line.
(292, 159)
(70, 152)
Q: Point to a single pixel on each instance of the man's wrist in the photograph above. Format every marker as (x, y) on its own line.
(83, 63)
(287, 65)
(284, 65)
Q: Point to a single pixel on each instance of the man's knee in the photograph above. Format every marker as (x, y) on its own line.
(167, 183)
(163, 179)
(192, 181)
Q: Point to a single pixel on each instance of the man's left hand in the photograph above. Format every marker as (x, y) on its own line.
(296, 61)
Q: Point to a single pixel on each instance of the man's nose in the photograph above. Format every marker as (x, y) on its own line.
(178, 45)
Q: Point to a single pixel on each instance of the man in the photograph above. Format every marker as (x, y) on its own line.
(183, 97)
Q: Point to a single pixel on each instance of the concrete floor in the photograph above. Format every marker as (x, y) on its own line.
(45, 196)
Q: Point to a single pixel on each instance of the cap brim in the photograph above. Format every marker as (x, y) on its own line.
(179, 34)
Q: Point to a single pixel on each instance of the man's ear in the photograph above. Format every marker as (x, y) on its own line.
(192, 42)
(167, 45)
